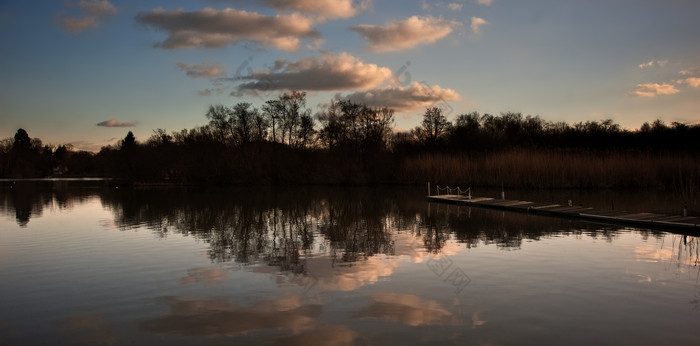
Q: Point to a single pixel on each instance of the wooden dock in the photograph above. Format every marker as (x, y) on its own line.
(642, 220)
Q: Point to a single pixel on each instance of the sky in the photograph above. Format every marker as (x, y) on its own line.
(86, 72)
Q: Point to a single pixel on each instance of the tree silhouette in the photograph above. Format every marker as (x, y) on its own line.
(22, 141)
(433, 126)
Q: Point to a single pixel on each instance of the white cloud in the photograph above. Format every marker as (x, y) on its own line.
(691, 81)
(646, 64)
(116, 123)
(90, 146)
(416, 96)
(484, 2)
(689, 71)
(326, 72)
(477, 23)
(654, 89)
(210, 28)
(405, 34)
(203, 70)
(650, 63)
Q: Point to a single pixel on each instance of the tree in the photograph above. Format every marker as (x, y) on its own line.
(260, 127)
(129, 142)
(220, 120)
(295, 118)
(376, 124)
(22, 141)
(242, 120)
(330, 132)
(273, 110)
(434, 125)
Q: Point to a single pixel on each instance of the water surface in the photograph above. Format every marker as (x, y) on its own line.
(93, 264)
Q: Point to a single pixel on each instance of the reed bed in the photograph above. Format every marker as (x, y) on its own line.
(557, 169)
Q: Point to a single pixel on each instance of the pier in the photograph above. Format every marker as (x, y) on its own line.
(622, 218)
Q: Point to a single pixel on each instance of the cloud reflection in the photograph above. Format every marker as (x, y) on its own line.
(326, 336)
(206, 276)
(218, 316)
(407, 309)
(88, 330)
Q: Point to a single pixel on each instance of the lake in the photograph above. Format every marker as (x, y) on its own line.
(83, 262)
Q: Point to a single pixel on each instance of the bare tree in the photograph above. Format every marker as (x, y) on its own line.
(434, 125)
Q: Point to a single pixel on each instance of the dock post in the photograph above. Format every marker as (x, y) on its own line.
(685, 209)
(428, 189)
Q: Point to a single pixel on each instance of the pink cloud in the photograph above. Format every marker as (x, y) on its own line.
(654, 89)
(326, 72)
(210, 28)
(405, 34)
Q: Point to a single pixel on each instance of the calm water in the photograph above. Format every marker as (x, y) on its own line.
(89, 264)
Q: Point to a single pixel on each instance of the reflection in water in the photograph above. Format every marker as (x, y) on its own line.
(218, 316)
(682, 251)
(88, 330)
(206, 276)
(408, 309)
(342, 267)
(325, 335)
(27, 199)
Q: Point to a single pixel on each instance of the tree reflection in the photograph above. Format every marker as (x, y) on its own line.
(27, 199)
(283, 228)
(272, 226)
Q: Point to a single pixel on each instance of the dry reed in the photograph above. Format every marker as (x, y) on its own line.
(557, 169)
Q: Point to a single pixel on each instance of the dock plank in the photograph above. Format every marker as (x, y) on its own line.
(638, 219)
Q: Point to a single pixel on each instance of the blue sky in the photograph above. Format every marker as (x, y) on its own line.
(88, 71)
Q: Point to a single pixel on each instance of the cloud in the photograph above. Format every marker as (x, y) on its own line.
(115, 123)
(320, 9)
(646, 64)
(90, 146)
(210, 28)
(326, 72)
(78, 25)
(484, 2)
(203, 70)
(654, 89)
(691, 81)
(416, 96)
(405, 34)
(477, 23)
(98, 8)
(650, 63)
(94, 8)
(328, 9)
(454, 6)
(208, 92)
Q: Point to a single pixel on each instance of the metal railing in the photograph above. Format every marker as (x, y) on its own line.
(454, 191)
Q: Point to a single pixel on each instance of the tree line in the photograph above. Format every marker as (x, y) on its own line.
(343, 143)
